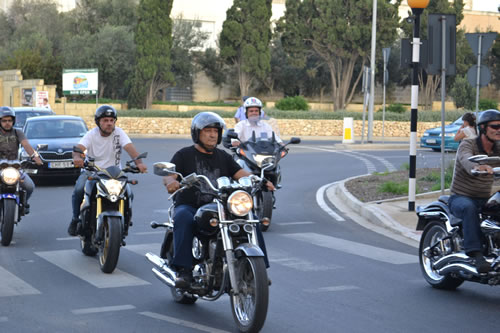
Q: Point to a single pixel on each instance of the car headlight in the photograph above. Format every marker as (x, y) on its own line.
(449, 134)
(10, 176)
(426, 133)
(262, 159)
(240, 203)
(113, 186)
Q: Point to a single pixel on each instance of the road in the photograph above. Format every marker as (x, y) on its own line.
(328, 275)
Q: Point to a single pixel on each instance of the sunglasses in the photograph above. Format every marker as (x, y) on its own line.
(496, 126)
(7, 120)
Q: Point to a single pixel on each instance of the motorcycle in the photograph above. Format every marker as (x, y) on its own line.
(106, 211)
(261, 156)
(443, 261)
(227, 256)
(12, 196)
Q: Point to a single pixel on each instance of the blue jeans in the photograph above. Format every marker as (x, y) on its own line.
(183, 237)
(27, 185)
(467, 209)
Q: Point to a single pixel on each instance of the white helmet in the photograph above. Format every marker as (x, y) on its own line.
(252, 102)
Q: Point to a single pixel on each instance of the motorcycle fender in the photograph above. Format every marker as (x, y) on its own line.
(100, 221)
(433, 207)
(10, 196)
(248, 250)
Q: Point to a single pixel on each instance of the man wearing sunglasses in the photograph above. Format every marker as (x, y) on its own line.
(469, 193)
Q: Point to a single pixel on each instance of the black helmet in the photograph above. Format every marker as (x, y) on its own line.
(203, 120)
(488, 115)
(105, 111)
(7, 111)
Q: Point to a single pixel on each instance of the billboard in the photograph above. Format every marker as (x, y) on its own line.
(27, 97)
(80, 81)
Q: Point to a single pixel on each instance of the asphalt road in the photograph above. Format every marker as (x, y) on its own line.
(328, 275)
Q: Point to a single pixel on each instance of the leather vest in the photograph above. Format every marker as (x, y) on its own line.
(9, 145)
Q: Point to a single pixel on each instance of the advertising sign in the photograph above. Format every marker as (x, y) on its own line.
(80, 81)
(40, 96)
(27, 97)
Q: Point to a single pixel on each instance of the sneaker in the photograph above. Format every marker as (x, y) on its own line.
(72, 227)
(184, 277)
(481, 264)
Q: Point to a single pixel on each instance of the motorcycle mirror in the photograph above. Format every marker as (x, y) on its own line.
(484, 159)
(231, 134)
(294, 140)
(42, 146)
(164, 169)
(143, 155)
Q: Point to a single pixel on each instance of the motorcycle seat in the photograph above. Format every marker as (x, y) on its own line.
(444, 199)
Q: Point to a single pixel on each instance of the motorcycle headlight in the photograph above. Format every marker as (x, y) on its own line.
(240, 203)
(113, 186)
(10, 176)
(263, 159)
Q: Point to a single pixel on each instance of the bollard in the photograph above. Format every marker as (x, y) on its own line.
(348, 133)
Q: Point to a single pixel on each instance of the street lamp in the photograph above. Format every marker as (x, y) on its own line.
(417, 7)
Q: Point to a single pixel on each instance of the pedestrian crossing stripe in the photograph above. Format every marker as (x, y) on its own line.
(11, 285)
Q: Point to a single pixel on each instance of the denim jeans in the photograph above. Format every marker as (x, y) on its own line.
(183, 237)
(467, 209)
(27, 185)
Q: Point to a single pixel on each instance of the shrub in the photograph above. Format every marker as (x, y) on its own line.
(396, 108)
(486, 104)
(463, 93)
(292, 103)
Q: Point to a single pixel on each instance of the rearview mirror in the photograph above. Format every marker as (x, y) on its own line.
(164, 169)
(484, 159)
(42, 146)
(294, 140)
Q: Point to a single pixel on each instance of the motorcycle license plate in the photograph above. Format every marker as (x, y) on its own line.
(431, 141)
(61, 165)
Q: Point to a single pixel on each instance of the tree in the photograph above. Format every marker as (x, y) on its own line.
(463, 93)
(244, 40)
(337, 32)
(214, 67)
(153, 39)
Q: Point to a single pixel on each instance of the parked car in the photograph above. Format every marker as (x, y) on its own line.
(432, 137)
(59, 134)
(23, 113)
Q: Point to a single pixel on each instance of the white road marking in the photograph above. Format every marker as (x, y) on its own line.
(359, 249)
(11, 285)
(369, 165)
(162, 231)
(390, 167)
(67, 238)
(103, 309)
(280, 257)
(181, 322)
(320, 199)
(142, 249)
(333, 288)
(87, 269)
(295, 223)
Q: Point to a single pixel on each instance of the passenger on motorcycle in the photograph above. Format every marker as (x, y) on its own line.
(203, 158)
(470, 193)
(253, 123)
(10, 139)
(104, 143)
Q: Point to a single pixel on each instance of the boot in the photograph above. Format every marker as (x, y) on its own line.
(480, 263)
(72, 227)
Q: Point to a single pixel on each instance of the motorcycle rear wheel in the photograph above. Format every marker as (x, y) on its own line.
(434, 232)
(249, 307)
(264, 207)
(9, 207)
(109, 251)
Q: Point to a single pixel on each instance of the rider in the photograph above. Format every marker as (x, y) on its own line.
(253, 123)
(10, 138)
(104, 143)
(203, 158)
(468, 193)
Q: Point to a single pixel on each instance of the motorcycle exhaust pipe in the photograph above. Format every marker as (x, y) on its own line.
(165, 273)
(163, 278)
(457, 267)
(461, 258)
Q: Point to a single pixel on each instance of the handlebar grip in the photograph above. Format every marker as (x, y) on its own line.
(478, 172)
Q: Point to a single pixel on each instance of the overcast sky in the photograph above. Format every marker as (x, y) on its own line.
(486, 5)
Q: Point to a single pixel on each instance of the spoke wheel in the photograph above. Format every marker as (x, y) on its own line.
(249, 307)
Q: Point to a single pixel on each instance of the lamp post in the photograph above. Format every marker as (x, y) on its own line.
(417, 7)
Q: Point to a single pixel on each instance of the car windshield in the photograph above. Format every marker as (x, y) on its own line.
(45, 129)
(22, 116)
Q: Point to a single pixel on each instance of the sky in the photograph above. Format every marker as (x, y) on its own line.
(486, 5)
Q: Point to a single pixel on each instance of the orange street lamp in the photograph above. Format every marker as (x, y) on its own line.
(417, 7)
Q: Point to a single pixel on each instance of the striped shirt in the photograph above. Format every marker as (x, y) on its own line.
(464, 183)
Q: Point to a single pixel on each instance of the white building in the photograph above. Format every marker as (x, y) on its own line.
(64, 5)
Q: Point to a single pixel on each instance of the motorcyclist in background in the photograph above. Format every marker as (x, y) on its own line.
(10, 139)
(470, 193)
(253, 123)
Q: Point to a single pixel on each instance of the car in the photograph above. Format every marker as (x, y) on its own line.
(54, 136)
(432, 137)
(23, 113)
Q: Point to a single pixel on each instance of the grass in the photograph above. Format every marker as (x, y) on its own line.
(394, 187)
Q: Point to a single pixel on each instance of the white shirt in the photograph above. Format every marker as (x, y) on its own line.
(468, 132)
(106, 150)
(263, 130)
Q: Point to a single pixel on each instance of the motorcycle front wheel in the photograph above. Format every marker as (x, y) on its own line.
(109, 251)
(433, 234)
(249, 307)
(8, 215)
(264, 207)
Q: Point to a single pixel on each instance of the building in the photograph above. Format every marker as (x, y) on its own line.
(64, 5)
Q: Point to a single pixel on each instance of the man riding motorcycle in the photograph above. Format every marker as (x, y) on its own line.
(104, 143)
(10, 139)
(203, 158)
(470, 193)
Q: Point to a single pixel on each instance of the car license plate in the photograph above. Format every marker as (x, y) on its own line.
(431, 141)
(61, 165)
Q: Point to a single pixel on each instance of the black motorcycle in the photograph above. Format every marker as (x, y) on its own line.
(261, 157)
(443, 261)
(106, 211)
(227, 256)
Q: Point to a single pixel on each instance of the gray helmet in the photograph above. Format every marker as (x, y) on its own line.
(487, 116)
(104, 111)
(206, 119)
(7, 111)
